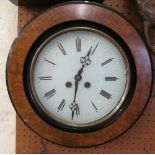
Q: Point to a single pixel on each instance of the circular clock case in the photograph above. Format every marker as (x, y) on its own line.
(76, 77)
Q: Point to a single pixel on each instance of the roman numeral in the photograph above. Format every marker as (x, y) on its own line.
(61, 106)
(111, 78)
(62, 49)
(94, 49)
(50, 93)
(50, 62)
(78, 44)
(94, 106)
(107, 61)
(105, 94)
(45, 77)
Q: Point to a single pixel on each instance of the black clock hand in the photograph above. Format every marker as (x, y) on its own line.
(89, 52)
(75, 109)
(78, 78)
(76, 89)
(85, 60)
(74, 106)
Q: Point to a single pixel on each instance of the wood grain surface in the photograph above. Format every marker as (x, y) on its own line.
(8, 21)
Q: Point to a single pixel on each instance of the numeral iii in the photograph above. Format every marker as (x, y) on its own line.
(111, 78)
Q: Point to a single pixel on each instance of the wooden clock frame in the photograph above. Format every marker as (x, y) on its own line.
(84, 12)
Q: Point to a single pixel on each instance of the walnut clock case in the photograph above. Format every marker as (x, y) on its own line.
(76, 77)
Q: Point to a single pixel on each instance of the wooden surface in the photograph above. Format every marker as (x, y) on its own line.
(8, 32)
(139, 139)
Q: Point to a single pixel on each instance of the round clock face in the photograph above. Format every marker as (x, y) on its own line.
(79, 77)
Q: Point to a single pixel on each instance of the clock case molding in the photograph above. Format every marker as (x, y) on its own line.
(20, 50)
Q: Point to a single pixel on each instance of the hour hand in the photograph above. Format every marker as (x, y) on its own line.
(85, 61)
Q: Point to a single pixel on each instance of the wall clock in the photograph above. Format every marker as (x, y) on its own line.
(76, 77)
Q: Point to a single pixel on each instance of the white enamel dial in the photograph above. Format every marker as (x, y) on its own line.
(80, 77)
